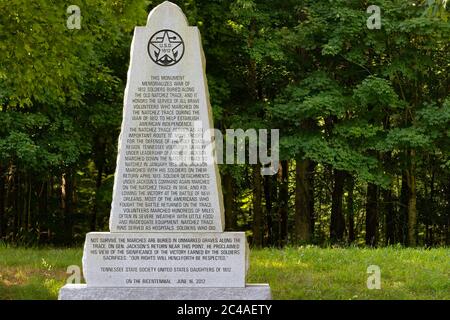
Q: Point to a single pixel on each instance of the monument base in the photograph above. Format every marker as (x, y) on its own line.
(84, 292)
(214, 260)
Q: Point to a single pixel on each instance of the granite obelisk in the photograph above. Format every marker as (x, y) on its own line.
(167, 238)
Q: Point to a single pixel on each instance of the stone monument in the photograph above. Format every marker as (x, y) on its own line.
(167, 238)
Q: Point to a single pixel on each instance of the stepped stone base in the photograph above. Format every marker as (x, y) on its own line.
(84, 292)
(154, 265)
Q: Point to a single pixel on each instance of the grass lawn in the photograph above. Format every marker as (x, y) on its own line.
(293, 273)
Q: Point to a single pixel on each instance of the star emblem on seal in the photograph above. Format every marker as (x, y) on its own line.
(166, 48)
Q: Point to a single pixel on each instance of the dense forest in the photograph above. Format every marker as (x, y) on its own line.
(364, 116)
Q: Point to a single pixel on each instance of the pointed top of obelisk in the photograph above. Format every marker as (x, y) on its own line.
(167, 14)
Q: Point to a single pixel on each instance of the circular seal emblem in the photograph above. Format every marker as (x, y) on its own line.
(166, 48)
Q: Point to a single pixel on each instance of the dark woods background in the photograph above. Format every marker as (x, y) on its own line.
(364, 117)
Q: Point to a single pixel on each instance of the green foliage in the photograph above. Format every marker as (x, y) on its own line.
(61, 94)
(346, 97)
(313, 273)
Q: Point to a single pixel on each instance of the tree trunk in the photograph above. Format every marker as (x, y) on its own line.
(447, 229)
(412, 213)
(310, 177)
(447, 226)
(372, 215)
(98, 184)
(100, 150)
(24, 200)
(30, 217)
(351, 210)
(283, 203)
(429, 215)
(337, 225)
(390, 218)
(302, 203)
(257, 207)
(42, 215)
(447, 236)
(53, 193)
(230, 215)
(269, 206)
(403, 211)
(67, 206)
(412, 199)
(16, 204)
(2, 204)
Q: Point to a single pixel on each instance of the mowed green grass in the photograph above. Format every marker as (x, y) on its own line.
(293, 273)
(341, 273)
(35, 273)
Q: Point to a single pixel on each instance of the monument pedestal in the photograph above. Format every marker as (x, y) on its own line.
(84, 292)
(162, 260)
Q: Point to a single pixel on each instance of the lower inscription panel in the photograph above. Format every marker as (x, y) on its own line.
(165, 260)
